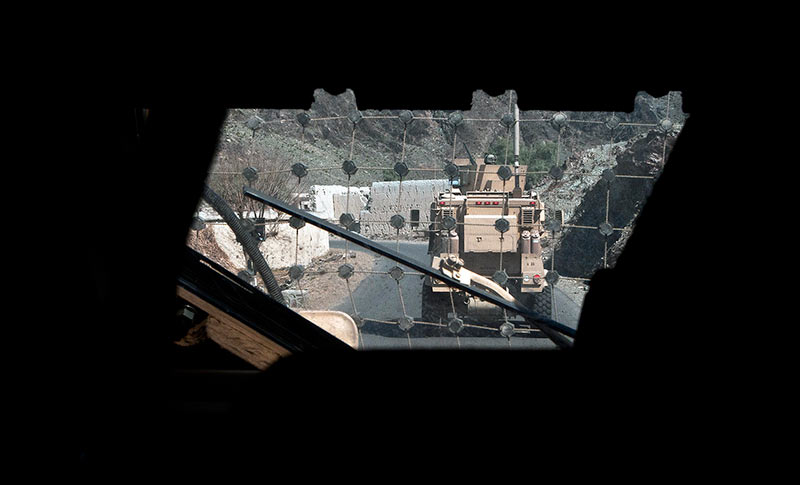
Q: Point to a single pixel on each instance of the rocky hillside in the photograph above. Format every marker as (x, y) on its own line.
(609, 183)
(333, 129)
(328, 137)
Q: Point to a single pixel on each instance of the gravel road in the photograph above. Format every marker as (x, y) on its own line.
(378, 297)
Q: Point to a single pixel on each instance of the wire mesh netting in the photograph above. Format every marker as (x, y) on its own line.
(378, 173)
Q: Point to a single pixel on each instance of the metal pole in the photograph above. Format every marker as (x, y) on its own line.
(517, 188)
(516, 135)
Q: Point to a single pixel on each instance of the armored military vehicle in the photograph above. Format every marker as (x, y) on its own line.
(486, 230)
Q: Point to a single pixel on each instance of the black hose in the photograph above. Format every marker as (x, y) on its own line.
(247, 241)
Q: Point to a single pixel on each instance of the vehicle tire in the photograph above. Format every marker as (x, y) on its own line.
(541, 302)
(435, 306)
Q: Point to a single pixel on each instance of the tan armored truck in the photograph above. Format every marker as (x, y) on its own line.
(486, 230)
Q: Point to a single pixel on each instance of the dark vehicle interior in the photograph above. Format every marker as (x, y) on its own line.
(649, 364)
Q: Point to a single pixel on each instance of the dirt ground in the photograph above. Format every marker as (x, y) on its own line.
(575, 290)
(325, 289)
(206, 244)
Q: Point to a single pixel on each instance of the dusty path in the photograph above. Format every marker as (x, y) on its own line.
(377, 297)
(380, 296)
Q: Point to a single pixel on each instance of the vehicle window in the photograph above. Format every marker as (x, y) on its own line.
(522, 204)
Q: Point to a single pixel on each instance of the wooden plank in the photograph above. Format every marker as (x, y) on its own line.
(236, 337)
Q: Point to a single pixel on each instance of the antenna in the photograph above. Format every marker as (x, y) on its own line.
(471, 160)
(516, 135)
(517, 189)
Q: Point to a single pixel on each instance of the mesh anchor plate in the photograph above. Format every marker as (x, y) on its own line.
(455, 118)
(609, 176)
(296, 222)
(397, 273)
(299, 170)
(501, 225)
(451, 170)
(560, 120)
(406, 116)
(500, 277)
(455, 325)
(401, 169)
(345, 271)
(349, 167)
(448, 223)
(556, 172)
(304, 119)
(296, 272)
(405, 322)
(247, 277)
(355, 117)
(250, 173)
(198, 224)
(253, 123)
(347, 220)
(397, 221)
